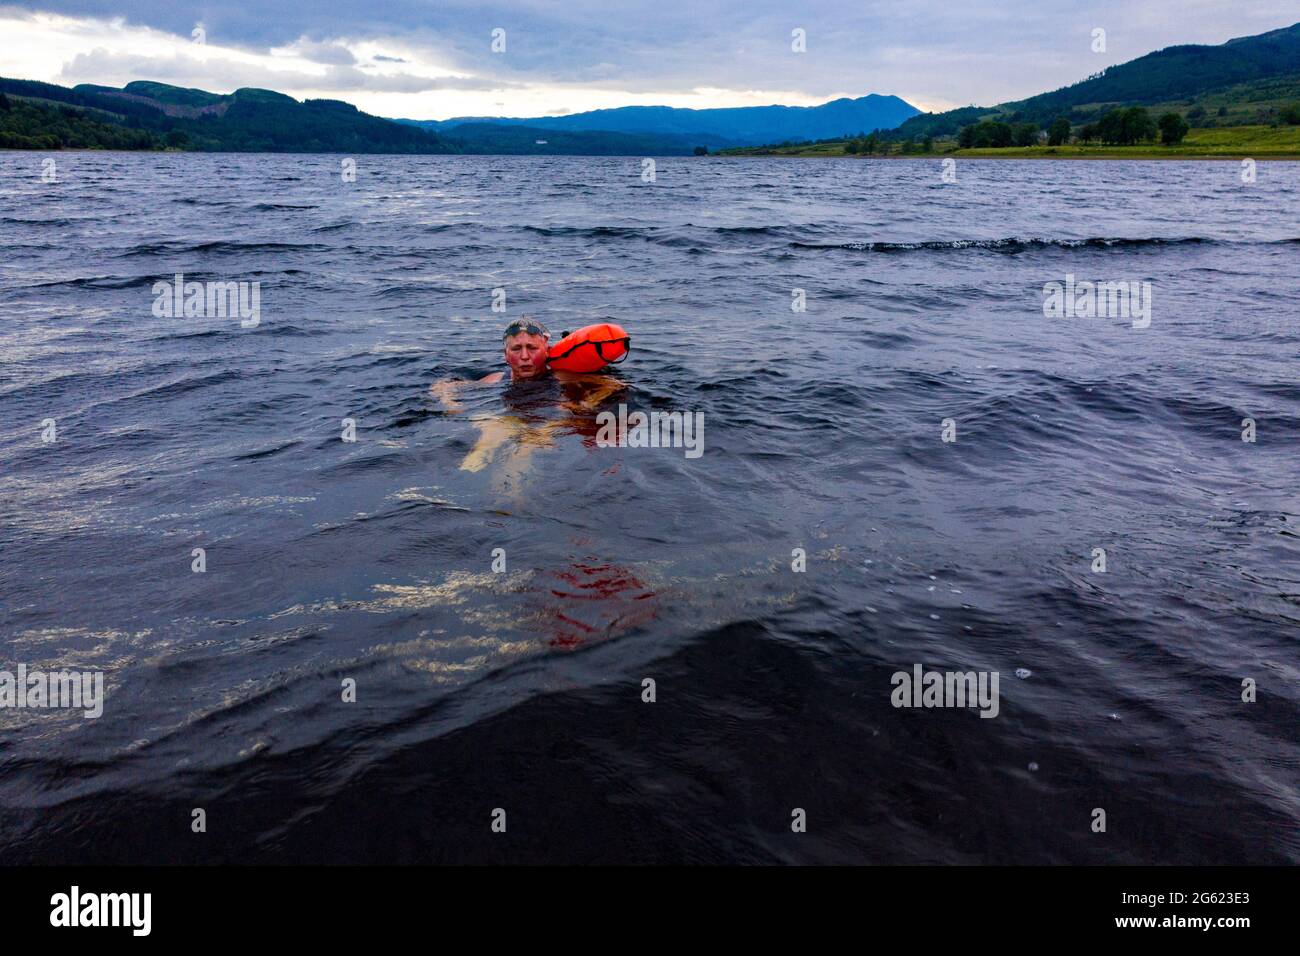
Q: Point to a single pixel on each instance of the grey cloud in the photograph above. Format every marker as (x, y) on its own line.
(324, 53)
(104, 66)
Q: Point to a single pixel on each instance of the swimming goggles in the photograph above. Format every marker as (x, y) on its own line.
(532, 328)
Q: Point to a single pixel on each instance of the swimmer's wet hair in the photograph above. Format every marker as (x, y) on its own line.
(531, 326)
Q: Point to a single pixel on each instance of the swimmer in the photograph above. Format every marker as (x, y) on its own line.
(524, 345)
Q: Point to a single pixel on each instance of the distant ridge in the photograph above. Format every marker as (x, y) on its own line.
(715, 128)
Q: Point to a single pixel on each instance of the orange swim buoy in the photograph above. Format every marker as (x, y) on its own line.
(590, 348)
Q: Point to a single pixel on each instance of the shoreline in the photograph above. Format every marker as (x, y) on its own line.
(1023, 153)
(1222, 143)
(976, 154)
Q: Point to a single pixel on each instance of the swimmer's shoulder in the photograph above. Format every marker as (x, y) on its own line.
(493, 377)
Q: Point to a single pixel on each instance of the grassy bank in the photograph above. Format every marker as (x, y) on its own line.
(1228, 142)
(1225, 142)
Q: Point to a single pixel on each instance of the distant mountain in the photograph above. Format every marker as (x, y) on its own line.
(1165, 76)
(145, 115)
(715, 128)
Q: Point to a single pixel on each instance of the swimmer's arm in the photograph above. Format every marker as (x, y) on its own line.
(445, 390)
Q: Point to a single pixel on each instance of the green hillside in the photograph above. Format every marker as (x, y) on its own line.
(159, 92)
(145, 115)
(1179, 74)
(46, 124)
(1174, 74)
(1238, 99)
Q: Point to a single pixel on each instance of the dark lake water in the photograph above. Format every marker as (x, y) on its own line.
(372, 560)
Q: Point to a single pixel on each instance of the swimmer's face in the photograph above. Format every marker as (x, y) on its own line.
(526, 355)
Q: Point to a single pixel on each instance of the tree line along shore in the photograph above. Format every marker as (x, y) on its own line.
(1132, 132)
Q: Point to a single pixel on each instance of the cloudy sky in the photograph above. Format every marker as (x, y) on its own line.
(433, 59)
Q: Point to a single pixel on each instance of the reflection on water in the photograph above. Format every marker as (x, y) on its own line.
(590, 601)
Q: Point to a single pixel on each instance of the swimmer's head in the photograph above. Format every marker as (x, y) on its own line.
(525, 343)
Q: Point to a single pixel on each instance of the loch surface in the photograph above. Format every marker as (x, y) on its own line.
(369, 564)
